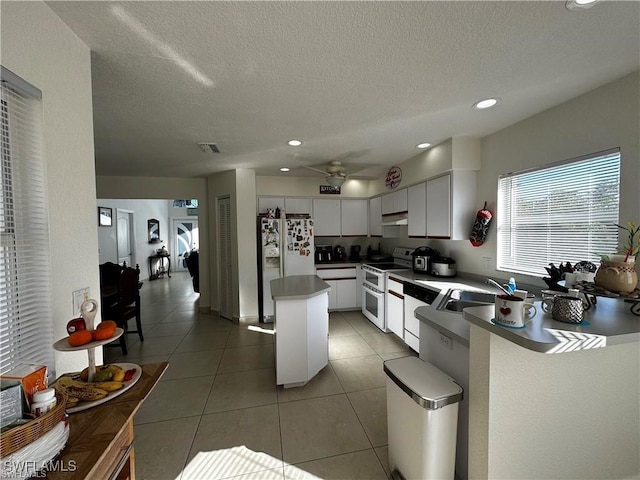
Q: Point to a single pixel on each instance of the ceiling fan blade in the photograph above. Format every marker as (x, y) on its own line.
(313, 169)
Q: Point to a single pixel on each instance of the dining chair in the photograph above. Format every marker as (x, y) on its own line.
(127, 304)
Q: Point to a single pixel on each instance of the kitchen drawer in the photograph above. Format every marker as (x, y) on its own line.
(336, 273)
(412, 341)
(412, 324)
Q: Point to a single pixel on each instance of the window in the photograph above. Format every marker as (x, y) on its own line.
(565, 212)
(26, 326)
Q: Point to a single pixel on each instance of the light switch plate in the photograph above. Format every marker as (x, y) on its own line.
(486, 263)
(79, 296)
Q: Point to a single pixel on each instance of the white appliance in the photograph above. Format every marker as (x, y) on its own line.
(374, 285)
(415, 296)
(285, 248)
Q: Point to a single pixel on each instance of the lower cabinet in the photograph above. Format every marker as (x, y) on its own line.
(344, 286)
(343, 294)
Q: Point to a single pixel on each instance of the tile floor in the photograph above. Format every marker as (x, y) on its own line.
(217, 412)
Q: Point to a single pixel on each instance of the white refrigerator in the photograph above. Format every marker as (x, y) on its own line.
(285, 248)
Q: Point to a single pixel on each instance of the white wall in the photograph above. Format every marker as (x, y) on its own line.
(38, 47)
(240, 186)
(307, 187)
(165, 188)
(142, 210)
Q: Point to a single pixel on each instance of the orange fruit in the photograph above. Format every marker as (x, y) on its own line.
(107, 324)
(104, 330)
(77, 339)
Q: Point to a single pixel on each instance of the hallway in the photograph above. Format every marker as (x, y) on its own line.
(217, 412)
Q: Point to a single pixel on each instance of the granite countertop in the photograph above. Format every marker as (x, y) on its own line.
(298, 287)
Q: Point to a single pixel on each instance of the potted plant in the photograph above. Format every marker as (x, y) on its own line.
(617, 272)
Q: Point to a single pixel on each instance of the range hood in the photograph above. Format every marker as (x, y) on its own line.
(395, 219)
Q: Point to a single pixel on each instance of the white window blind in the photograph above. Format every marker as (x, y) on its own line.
(561, 213)
(26, 328)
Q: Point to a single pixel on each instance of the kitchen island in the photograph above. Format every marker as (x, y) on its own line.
(301, 328)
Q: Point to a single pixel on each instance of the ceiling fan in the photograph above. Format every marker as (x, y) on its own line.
(335, 172)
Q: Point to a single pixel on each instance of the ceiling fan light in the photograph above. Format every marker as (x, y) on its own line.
(335, 180)
(580, 4)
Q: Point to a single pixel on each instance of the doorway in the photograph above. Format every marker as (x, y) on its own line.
(124, 234)
(185, 239)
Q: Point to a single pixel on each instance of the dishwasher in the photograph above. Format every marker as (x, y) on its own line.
(415, 296)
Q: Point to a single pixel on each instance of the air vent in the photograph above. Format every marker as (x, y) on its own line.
(209, 147)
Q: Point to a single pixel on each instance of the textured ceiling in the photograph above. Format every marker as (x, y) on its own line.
(360, 81)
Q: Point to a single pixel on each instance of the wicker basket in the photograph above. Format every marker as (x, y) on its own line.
(19, 437)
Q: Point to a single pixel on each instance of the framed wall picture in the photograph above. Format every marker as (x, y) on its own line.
(105, 217)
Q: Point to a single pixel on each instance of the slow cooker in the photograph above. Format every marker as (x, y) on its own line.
(443, 267)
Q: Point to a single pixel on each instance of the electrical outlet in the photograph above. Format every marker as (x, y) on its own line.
(446, 342)
(486, 263)
(79, 296)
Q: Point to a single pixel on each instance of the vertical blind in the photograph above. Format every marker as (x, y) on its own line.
(26, 328)
(566, 212)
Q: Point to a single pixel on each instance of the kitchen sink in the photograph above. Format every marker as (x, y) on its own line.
(456, 300)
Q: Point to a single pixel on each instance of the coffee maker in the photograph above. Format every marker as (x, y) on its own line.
(354, 255)
(339, 254)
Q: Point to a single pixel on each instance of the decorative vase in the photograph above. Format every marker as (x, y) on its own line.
(617, 276)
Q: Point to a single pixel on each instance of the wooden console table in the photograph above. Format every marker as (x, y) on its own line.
(161, 271)
(100, 444)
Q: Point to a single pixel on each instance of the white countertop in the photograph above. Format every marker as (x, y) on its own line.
(610, 322)
(298, 287)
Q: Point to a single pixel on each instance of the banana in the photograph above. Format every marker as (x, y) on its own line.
(107, 386)
(86, 393)
(118, 372)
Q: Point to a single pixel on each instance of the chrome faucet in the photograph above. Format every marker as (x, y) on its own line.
(496, 284)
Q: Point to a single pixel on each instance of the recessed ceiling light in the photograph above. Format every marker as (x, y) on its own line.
(423, 145)
(579, 4)
(294, 143)
(285, 169)
(486, 103)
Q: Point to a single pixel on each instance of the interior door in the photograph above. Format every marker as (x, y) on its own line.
(185, 239)
(225, 262)
(124, 235)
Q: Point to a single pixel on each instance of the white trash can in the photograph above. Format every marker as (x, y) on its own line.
(422, 419)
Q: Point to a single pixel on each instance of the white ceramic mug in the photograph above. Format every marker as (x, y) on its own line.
(513, 311)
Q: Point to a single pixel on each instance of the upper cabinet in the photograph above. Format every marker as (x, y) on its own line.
(326, 217)
(394, 202)
(354, 218)
(297, 205)
(417, 210)
(265, 203)
(450, 205)
(375, 217)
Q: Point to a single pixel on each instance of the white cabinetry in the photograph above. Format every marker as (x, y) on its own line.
(297, 205)
(326, 217)
(417, 210)
(451, 205)
(302, 328)
(375, 217)
(354, 218)
(269, 202)
(343, 282)
(394, 305)
(394, 202)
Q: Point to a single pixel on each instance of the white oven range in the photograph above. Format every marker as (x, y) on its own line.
(374, 285)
